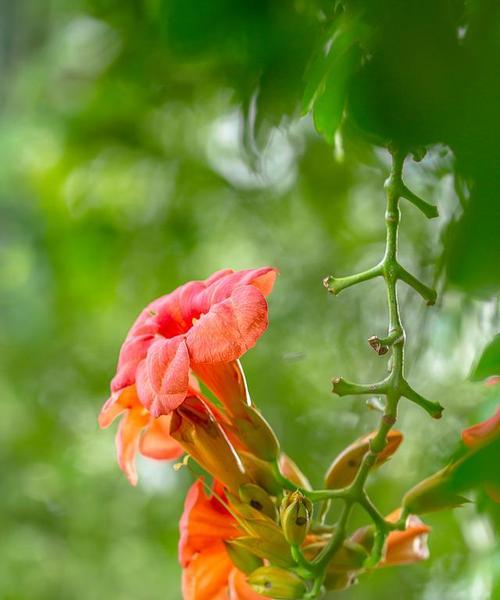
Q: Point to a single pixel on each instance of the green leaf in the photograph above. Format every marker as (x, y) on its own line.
(477, 467)
(489, 363)
(338, 40)
(329, 107)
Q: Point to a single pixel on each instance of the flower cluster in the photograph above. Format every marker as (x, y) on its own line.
(253, 532)
(253, 527)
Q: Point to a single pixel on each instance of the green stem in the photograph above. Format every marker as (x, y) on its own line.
(394, 386)
(322, 560)
(336, 284)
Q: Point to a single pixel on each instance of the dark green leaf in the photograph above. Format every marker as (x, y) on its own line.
(489, 363)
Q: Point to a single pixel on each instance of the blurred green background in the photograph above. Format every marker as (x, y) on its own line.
(135, 154)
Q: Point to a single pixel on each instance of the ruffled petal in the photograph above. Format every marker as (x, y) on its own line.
(127, 441)
(239, 589)
(206, 576)
(133, 351)
(163, 377)
(230, 327)
(262, 279)
(117, 404)
(157, 443)
(204, 522)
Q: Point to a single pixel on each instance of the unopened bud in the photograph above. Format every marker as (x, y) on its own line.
(194, 426)
(295, 514)
(265, 545)
(273, 582)
(242, 559)
(258, 499)
(260, 472)
(433, 493)
(345, 466)
(256, 434)
(339, 581)
(292, 472)
(349, 557)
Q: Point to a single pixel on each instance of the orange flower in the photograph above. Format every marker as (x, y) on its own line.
(155, 442)
(202, 322)
(402, 547)
(201, 327)
(208, 573)
(408, 546)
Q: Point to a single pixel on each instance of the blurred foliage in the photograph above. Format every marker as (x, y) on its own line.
(149, 142)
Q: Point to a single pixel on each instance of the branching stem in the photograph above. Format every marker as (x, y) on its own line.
(394, 387)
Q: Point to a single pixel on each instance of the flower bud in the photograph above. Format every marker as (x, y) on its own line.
(197, 431)
(350, 556)
(257, 498)
(242, 559)
(256, 434)
(339, 581)
(292, 472)
(295, 514)
(433, 493)
(266, 547)
(260, 472)
(273, 582)
(345, 466)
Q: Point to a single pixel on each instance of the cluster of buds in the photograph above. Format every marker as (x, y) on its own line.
(250, 528)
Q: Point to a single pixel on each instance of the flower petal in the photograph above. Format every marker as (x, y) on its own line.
(227, 382)
(239, 589)
(262, 279)
(133, 351)
(206, 577)
(204, 522)
(117, 404)
(482, 432)
(127, 441)
(230, 327)
(408, 546)
(157, 443)
(163, 377)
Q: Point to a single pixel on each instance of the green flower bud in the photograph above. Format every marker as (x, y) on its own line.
(256, 434)
(242, 559)
(260, 472)
(274, 550)
(350, 556)
(339, 581)
(295, 513)
(273, 582)
(434, 493)
(258, 499)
